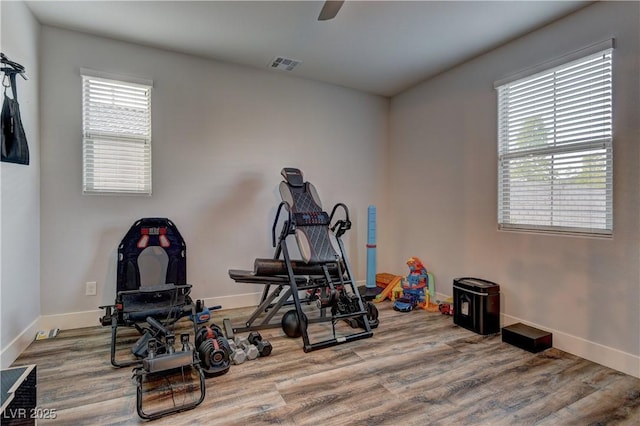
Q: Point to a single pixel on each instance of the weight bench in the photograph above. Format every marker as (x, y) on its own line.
(323, 274)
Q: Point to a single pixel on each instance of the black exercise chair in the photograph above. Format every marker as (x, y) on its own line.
(164, 302)
(323, 273)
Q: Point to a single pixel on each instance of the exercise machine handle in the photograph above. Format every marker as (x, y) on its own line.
(344, 207)
(341, 226)
(287, 224)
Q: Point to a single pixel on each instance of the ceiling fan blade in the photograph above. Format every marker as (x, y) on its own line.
(330, 10)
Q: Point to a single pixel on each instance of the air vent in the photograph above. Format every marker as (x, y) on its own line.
(285, 64)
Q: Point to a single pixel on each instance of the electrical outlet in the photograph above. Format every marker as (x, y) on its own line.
(91, 289)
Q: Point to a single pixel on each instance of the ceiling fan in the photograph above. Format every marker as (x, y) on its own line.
(330, 9)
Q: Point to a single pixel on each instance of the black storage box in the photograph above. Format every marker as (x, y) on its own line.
(476, 305)
(526, 337)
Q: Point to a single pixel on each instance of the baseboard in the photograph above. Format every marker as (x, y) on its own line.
(440, 298)
(600, 354)
(71, 320)
(9, 354)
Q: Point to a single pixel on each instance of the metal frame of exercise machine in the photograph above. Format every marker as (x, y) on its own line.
(324, 273)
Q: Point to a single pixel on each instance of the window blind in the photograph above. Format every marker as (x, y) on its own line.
(555, 149)
(116, 118)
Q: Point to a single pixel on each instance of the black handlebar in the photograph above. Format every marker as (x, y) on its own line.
(287, 224)
(341, 226)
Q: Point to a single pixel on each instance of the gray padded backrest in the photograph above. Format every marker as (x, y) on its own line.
(316, 242)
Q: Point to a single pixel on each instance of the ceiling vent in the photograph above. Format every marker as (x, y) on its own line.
(285, 64)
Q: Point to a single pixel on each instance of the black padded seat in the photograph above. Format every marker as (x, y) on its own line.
(250, 277)
(160, 302)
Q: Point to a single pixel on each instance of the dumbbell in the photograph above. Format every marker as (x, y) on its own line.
(237, 354)
(263, 346)
(213, 350)
(250, 350)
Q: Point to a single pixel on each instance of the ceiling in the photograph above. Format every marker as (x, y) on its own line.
(380, 47)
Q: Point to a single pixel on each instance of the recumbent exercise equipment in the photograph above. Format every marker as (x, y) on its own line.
(153, 310)
(323, 275)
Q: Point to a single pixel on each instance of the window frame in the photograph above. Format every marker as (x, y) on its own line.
(113, 141)
(596, 152)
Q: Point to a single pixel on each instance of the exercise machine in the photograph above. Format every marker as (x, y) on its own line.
(164, 302)
(321, 279)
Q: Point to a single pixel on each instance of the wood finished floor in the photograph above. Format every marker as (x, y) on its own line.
(419, 368)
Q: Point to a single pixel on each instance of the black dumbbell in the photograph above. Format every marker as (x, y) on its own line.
(264, 347)
(213, 350)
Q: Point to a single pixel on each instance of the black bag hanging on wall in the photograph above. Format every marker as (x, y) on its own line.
(14, 140)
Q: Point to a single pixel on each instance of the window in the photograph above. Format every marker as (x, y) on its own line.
(116, 142)
(555, 148)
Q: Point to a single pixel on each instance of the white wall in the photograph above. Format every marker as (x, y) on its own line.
(20, 194)
(221, 135)
(443, 149)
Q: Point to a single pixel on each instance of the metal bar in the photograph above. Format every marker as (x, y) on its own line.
(176, 409)
(114, 333)
(338, 341)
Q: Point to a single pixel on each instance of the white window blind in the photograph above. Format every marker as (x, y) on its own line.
(116, 142)
(555, 149)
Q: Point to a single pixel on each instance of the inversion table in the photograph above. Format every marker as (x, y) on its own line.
(323, 274)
